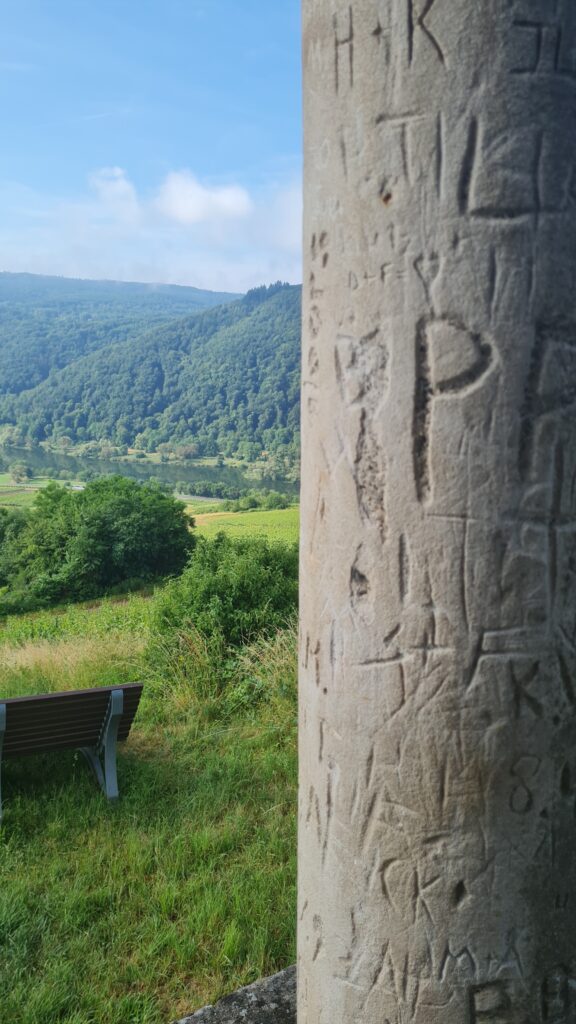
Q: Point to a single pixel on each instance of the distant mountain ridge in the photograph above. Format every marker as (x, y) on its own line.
(45, 290)
(133, 371)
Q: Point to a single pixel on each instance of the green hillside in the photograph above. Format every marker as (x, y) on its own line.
(46, 323)
(224, 379)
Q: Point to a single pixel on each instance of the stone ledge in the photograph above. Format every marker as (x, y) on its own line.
(267, 1001)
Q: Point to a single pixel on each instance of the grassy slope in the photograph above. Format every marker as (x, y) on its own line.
(138, 913)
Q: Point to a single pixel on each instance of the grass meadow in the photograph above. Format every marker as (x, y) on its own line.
(141, 912)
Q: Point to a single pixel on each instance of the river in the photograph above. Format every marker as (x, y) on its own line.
(46, 463)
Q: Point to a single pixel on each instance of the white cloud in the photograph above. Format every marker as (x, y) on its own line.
(183, 199)
(115, 193)
(183, 231)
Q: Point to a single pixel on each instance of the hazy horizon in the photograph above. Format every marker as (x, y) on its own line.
(148, 284)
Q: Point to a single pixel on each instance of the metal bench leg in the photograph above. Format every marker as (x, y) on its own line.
(2, 731)
(94, 762)
(106, 775)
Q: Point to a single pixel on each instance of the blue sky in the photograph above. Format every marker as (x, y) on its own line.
(154, 140)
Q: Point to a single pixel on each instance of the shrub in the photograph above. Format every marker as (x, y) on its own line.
(274, 500)
(234, 590)
(19, 472)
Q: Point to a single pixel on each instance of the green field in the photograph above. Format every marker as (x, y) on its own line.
(140, 913)
(280, 524)
(21, 495)
(17, 497)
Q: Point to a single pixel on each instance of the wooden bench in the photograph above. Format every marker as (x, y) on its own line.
(90, 720)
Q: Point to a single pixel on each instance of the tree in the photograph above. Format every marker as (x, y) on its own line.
(20, 472)
(438, 597)
(12, 522)
(78, 544)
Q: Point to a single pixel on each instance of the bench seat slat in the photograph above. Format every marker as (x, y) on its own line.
(52, 728)
(18, 722)
(48, 745)
(81, 737)
(46, 725)
(65, 720)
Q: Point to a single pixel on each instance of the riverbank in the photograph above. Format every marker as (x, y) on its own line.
(215, 478)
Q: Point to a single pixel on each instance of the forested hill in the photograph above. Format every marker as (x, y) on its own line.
(48, 322)
(224, 379)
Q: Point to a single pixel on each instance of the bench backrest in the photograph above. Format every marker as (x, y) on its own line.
(58, 721)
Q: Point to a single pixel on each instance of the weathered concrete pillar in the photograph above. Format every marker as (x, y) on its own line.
(438, 648)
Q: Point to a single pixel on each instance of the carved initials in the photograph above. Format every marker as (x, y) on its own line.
(450, 363)
(550, 387)
(556, 997)
(417, 20)
(549, 49)
(490, 1004)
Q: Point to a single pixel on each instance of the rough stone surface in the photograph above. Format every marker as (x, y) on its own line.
(438, 604)
(268, 1001)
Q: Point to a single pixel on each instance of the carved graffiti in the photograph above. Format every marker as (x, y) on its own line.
(544, 45)
(506, 176)
(370, 476)
(491, 1004)
(557, 1006)
(383, 36)
(344, 43)
(550, 386)
(451, 361)
(523, 771)
(398, 132)
(362, 368)
(319, 255)
(359, 582)
(419, 12)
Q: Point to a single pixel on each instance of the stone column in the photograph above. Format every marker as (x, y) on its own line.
(438, 602)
